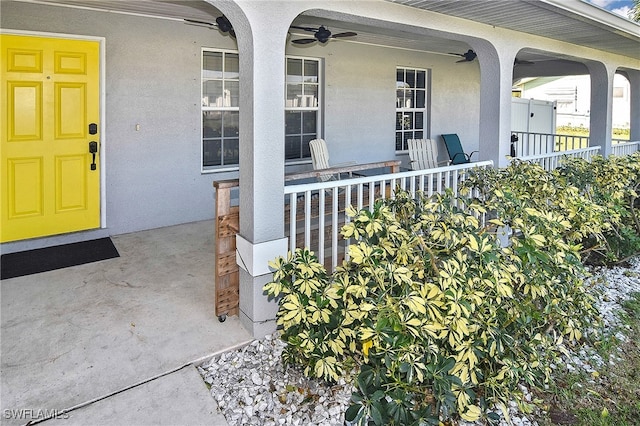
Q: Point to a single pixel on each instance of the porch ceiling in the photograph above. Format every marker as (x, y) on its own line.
(582, 24)
(574, 22)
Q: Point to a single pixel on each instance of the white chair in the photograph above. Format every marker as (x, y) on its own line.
(423, 154)
(320, 159)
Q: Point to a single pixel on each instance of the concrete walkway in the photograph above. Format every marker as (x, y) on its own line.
(114, 340)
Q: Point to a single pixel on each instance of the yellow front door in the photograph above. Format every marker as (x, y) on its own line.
(50, 94)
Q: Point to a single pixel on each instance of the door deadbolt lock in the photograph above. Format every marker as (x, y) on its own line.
(93, 149)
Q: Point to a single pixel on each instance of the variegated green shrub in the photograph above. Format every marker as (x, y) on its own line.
(614, 184)
(430, 316)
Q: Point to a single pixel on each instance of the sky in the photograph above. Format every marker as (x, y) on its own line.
(620, 7)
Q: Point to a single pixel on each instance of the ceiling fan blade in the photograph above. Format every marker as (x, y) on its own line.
(457, 54)
(193, 21)
(462, 60)
(345, 34)
(303, 40)
(313, 30)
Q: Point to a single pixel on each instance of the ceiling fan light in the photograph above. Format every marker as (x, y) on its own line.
(323, 34)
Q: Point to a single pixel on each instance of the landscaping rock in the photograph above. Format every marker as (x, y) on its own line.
(252, 387)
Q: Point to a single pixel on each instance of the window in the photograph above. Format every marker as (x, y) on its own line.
(220, 109)
(301, 106)
(411, 106)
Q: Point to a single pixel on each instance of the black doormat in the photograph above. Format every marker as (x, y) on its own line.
(56, 257)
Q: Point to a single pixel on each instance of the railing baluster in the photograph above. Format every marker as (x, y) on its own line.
(321, 214)
(293, 205)
(307, 219)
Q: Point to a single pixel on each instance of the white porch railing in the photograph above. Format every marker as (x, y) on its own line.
(552, 160)
(625, 148)
(315, 212)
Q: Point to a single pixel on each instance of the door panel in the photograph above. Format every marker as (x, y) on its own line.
(50, 90)
(25, 187)
(25, 111)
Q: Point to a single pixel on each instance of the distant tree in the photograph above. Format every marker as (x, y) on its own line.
(634, 13)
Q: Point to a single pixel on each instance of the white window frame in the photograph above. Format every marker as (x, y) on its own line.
(213, 169)
(317, 108)
(426, 110)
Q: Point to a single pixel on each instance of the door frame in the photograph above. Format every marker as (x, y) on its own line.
(102, 91)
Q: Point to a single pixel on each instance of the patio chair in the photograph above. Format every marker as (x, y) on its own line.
(320, 159)
(454, 149)
(423, 154)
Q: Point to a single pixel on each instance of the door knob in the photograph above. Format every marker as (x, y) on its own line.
(93, 148)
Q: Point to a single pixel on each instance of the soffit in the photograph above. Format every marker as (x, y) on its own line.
(585, 25)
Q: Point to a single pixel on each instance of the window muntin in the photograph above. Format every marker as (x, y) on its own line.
(412, 91)
(220, 109)
(302, 91)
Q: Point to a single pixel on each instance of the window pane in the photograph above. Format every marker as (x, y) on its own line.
(418, 135)
(211, 152)
(232, 93)
(294, 70)
(407, 121)
(231, 66)
(421, 80)
(419, 121)
(294, 94)
(310, 97)
(309, 122)
(310, 71)
(400, 76)
(212, 93)
(292, 123)
(231, 151)
(420, 98)
(398, 121)
(292, 147)
(211, 124)
(230, 124)
(306, 152)
(411, 78)
(212, 65)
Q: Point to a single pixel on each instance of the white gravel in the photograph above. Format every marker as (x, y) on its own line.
(252, 387)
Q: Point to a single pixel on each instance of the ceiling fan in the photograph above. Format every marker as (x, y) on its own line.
(467, 56)
(321, 34)
(222, 23)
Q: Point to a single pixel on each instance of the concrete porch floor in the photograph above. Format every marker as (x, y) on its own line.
(121, 332)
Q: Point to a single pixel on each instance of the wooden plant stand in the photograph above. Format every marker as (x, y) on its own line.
(227, 272)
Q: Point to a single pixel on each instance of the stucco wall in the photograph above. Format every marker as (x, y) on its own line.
(360, 93)
(153, 176)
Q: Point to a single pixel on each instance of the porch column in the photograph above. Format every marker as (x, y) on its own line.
(600, 124)
(261, 33)
(496, 73)
(634, 79)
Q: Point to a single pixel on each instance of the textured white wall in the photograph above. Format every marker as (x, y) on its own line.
(360, 94)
